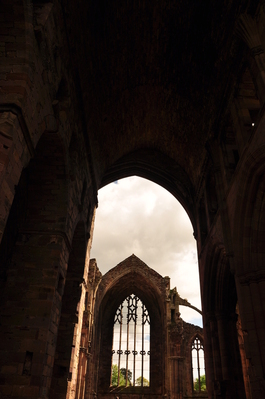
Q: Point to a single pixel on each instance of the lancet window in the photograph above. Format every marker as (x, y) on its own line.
(131, 344)
(198, 366)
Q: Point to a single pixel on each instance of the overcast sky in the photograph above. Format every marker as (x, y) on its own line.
(136, 216)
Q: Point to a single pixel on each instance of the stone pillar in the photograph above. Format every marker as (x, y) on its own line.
(82, 367)
(176, 377)
(215, 153)
(216, 359)
(233, 385)
(30, 315)
(208, 355)
(244, 360)
(16, 149)
(176, 360)
(251, 299)
(222, 323)
(87, 383)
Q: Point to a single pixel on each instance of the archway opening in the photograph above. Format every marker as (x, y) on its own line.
(138, 216)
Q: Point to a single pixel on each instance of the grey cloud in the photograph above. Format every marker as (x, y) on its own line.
(137, 216)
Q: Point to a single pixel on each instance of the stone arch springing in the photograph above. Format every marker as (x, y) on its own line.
(153, 165)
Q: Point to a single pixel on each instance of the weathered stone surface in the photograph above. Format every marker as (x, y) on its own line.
(93, 91)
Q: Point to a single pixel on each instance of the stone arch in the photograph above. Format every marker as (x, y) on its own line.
(130, 276)
(155, 166)
(193, 336)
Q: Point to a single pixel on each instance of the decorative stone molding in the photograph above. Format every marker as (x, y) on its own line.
(252, 277)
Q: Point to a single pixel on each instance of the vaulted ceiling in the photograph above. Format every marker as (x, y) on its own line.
(155, 76)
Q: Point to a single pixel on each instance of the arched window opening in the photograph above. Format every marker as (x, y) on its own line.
(131, 344)
(198, 366)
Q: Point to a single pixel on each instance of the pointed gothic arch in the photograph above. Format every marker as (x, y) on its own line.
(130, 276)
(131, 344)
(155, 166)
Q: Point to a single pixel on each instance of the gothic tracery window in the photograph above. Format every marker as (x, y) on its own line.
(198, 367)
(131, 344)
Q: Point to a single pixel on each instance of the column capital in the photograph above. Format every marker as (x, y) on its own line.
(253, 276)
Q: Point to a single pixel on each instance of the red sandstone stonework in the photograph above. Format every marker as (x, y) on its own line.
(94, 91)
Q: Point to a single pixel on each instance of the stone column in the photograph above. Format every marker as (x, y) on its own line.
(233, 385)
(216, 358)
(214, 150)
(176, 360)
(208, 355)
(176, 372)
(244, 360)
(30, 314)
(251, 298)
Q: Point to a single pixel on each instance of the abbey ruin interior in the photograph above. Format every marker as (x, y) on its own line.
(92, 91)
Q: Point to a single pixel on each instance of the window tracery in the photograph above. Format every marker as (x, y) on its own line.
(131, 344)
(198, 366)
